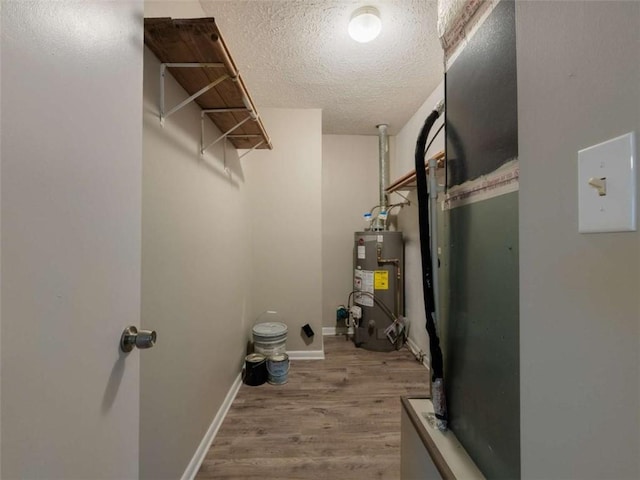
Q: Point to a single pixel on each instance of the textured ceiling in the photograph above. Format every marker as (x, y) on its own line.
(298, 54)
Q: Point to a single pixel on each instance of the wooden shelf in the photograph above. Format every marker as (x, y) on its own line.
(436, 454)
(198, 41)
(408, 181)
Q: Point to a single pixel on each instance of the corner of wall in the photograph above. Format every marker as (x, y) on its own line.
(284, 198)
(349, 188)
(402, 162)
(195, 278)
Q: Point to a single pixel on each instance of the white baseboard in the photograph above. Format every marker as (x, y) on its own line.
(306, 354)
(415, 350)
(207, 440)
(333, 331)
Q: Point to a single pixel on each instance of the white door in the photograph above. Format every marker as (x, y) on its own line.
(71, 93)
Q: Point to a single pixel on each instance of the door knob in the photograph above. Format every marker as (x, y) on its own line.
(131, 337)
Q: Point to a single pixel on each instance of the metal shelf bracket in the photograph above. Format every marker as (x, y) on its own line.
(225, 134)
(252, 149)
(163, 71)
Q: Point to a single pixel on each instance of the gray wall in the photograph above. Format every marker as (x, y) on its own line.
(349, 189)
(195, 288)
(578, 85)
(284, 188)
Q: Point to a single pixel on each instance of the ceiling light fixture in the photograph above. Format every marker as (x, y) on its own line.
(365, 24)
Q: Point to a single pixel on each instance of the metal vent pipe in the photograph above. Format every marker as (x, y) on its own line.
(383, 145)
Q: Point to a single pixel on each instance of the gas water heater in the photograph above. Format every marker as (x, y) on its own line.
(378, 261)
(378, 269)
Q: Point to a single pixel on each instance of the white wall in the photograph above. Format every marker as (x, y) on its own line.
(0, 239)
(403, 161)
(210, 240)
(195, 289)
(195, 270)
(284, 188)
(578, 85)
(405, 141)
(71, 187)
(173, 9)
(349, 189)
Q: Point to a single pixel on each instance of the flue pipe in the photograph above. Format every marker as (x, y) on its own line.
(383, 145)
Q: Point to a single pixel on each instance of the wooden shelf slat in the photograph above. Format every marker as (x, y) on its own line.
(198, 40)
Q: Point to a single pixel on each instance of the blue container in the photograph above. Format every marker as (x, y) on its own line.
(278, 368)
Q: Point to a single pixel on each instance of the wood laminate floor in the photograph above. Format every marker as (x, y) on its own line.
(337, 418)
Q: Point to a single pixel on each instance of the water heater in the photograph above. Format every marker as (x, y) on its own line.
(378, 270)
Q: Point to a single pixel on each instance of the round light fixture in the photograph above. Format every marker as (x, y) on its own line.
(365, 24)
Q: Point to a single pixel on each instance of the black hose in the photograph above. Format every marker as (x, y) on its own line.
(426, 149)
(437, 368)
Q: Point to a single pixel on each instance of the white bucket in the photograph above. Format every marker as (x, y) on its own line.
(270, 338)
(278, 369)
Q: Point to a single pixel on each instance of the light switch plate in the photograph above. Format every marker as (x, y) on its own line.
(615, 161)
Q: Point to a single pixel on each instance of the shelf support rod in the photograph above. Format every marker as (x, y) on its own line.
(252, 149)
(194, 65)
(163, 70)
(223, 110)
(224, 135)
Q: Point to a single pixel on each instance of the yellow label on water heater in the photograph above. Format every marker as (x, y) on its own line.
(381, 280)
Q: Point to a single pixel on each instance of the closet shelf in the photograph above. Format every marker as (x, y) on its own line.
(408, 181)
(195, 53)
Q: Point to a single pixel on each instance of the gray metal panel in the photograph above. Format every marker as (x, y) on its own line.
(482, 332)
(481, 98)
(482, 350)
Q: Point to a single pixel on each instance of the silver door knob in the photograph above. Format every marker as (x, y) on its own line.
(131, 337)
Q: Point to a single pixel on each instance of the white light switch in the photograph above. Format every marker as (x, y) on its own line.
(607, 186)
